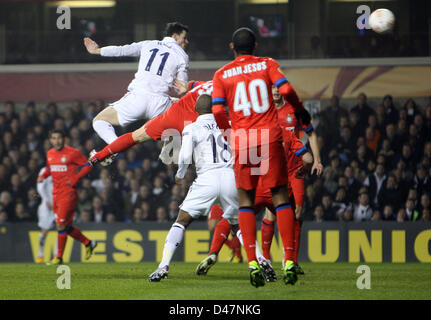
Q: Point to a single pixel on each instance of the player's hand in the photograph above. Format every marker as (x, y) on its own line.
(92, 46)
(318, 167)
(178, 180)
(40, 179)
(300, 173)
(72, 181)
(180, 87)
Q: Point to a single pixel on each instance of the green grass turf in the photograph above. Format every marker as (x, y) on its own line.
(224, 281)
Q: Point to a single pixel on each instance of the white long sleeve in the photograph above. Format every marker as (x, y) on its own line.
(128, 50)
(44, 188)
(185, 157)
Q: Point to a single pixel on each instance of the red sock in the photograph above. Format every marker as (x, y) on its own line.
(267, 230)
(221, 233)
(61, 243)
(123, 142)
(285, 222)
(77, 235)
(247, 224)
(297, 239)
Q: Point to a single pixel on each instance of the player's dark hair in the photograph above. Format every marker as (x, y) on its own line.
(59, 131)
(204, 104)
(175, 28)
(243, 40)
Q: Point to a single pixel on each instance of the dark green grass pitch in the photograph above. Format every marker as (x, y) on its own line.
(225, 281)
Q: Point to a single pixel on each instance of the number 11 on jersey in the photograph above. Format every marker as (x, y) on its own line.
(162, 63)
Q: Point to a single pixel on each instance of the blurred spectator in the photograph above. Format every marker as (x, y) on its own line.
(99, 211)
(363, 110)
(363, 210)
(401, 215)
(348, 215)
(21, 213)
(146, 210)
(374, 183)
(341, 203)
(425, 203)
(376, 216)
(390, 193)
(132, 160)
(173, 210)
(411, 110)
(426, 215)
(8, 205)
(372, 138)
(318, 214)
(330, 116)
(330, 186)
(162, 215)
(388, 213)
(329, 212)
(411, 213)
(110, 218)
(85, 217)
(391, 113)
(422, 181)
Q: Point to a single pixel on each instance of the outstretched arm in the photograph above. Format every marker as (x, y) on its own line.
(128, 50)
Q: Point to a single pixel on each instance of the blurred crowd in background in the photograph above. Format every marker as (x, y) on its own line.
(376, 158)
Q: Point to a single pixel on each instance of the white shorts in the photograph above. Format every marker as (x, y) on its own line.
(136, 106)
(46, 219)
(211, 187)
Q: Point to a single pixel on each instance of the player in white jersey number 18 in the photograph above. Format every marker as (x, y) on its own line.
(204, 144)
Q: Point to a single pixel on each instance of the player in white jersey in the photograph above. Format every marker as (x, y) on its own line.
(204, 144)
(161, 63)
(45, 214)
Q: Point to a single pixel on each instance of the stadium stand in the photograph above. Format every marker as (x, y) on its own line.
(377, 165)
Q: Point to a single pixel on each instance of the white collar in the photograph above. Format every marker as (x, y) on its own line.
(208, 116)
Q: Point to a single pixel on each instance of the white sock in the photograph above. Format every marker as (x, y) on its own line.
(173, 240)
(259, 254)
(41, 244)
(105, 130)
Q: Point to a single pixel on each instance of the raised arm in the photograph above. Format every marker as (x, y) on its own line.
(128, 50)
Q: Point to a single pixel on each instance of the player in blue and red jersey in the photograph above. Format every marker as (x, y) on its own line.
(62, 164)
(256, 137)
(298, 123)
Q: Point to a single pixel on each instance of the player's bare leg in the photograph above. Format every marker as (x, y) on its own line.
(104, 123)
(285, 221)
(173, 240)
(212, 225)
(247, 224)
